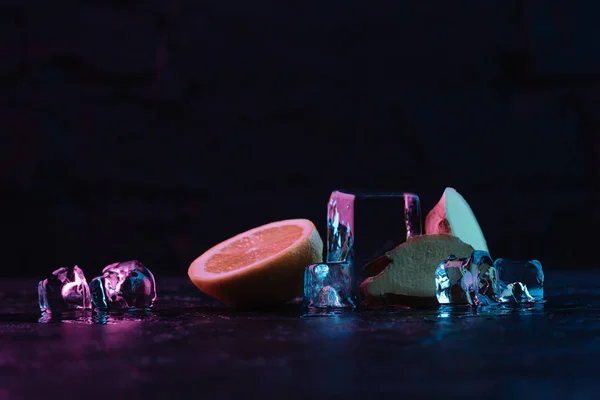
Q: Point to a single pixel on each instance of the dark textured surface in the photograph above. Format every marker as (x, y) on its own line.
(191, 346)
(154, 131)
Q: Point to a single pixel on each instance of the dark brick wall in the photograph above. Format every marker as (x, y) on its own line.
(153, 131)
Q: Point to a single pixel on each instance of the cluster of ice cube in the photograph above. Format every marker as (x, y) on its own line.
(382, 222)
(469, 280)
(356, 238)
(477, 280)
(124, 285)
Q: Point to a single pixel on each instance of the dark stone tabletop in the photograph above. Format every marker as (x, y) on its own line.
(190, 346)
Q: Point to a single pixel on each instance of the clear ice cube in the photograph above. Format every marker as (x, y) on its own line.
(448, 280)
(328, 285)
(382, 222)
(516, 292)
(66, 289)
(471, 280)
(124, 285)
(529, 273)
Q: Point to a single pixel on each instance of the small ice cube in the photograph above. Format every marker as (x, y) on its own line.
(529, 273)
(516, 292)
(469, 280)
(364, 226)
(488, 289)
(124, 285)
(65, 289)
(448, 276)
(328, 285)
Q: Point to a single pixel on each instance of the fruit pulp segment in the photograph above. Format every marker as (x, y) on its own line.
(252, 248)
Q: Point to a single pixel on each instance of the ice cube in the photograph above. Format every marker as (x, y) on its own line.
(448, 277)
(471, 280)
(328, 285)
(124, 285)
(516, 292)
(66, 289)
(529, 273)
(382, 222)
(488, 289)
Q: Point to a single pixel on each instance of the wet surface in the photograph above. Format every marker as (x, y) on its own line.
(191, 346)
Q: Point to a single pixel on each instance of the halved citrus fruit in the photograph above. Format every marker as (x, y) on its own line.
(261, 267)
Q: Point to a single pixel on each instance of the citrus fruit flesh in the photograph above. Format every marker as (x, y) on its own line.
(260, 267)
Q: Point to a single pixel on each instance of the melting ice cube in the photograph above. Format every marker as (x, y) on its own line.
(516, 292)
(124, 285)
(364, 226)
(471, 280)
(529, 273)
(65, 289)
(448, 276)
(328, 285)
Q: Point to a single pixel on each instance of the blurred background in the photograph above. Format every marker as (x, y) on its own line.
(153, 131)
